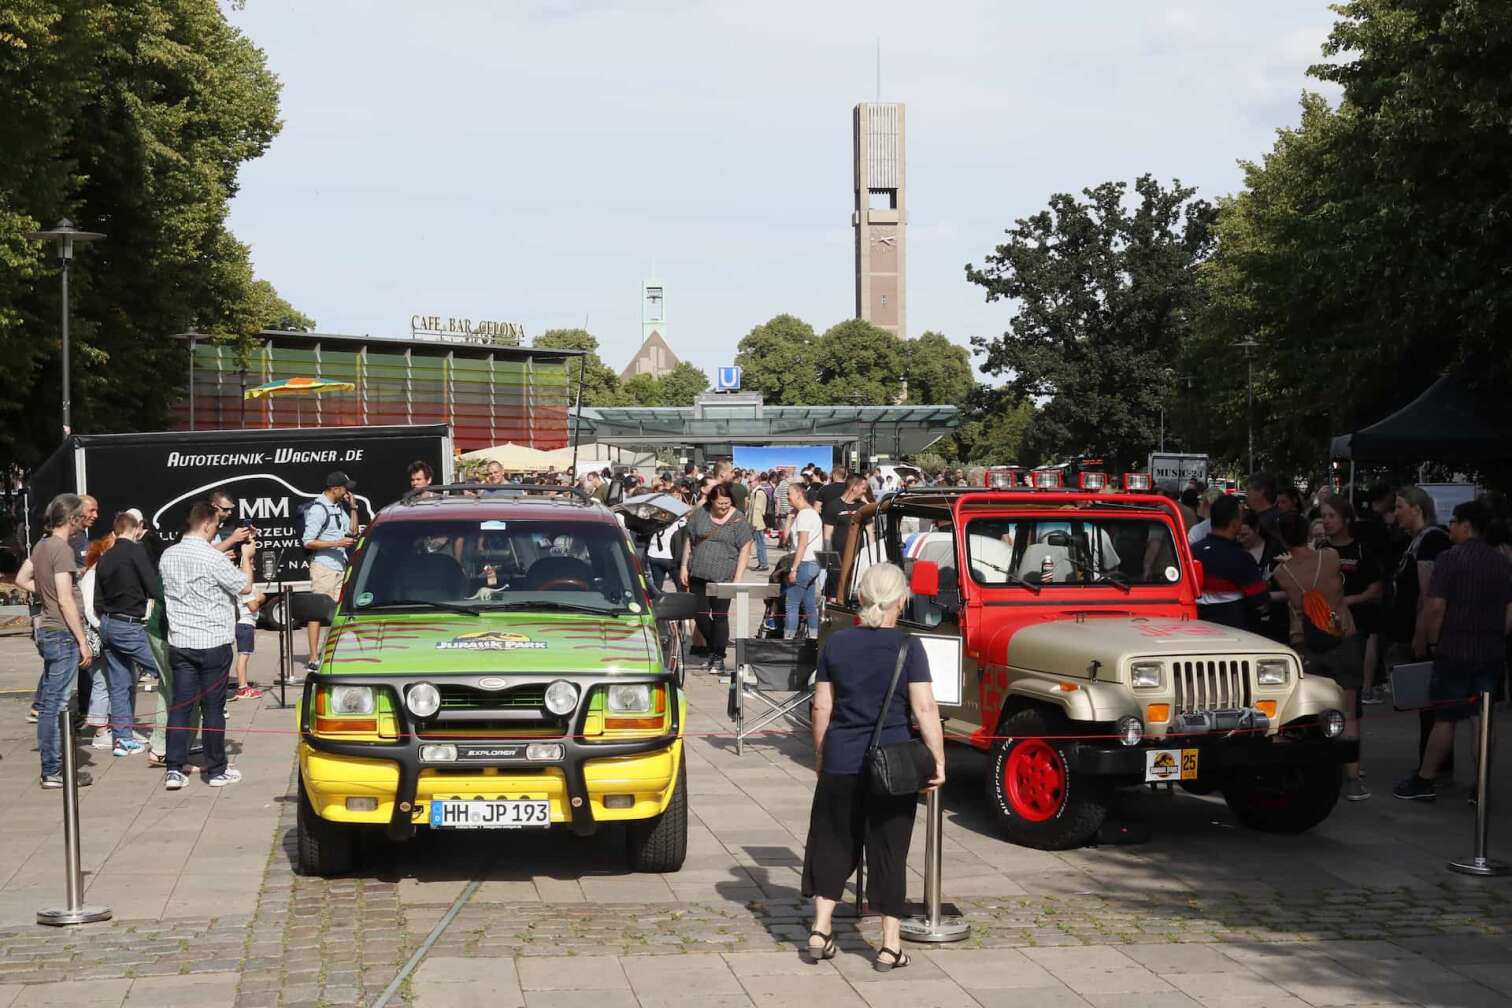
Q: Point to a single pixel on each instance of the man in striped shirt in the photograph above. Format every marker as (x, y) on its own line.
(200, 589)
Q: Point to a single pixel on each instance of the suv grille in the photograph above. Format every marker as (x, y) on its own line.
(456, 697)
(1211, 685)
(467, 712)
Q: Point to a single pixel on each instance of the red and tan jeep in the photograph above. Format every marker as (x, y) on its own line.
(1063, 637)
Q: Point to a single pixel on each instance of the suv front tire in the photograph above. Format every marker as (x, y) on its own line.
(324, 848)
(1034, 796)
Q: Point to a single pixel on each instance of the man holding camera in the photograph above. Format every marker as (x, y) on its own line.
(200, 591)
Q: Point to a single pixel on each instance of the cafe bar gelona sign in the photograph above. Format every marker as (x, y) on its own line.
(466, 330)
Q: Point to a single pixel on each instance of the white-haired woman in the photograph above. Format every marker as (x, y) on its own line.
(855, 667)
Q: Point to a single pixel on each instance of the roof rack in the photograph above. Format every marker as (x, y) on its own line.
(480, 490)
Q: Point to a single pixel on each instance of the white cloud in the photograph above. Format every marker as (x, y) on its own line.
(534, 161)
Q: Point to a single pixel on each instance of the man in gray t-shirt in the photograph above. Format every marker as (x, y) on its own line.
(50, 573)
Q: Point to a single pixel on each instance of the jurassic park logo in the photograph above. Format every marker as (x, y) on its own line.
(491, 640)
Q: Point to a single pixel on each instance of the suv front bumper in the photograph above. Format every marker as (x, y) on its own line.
(1215, 756)
(392, 772)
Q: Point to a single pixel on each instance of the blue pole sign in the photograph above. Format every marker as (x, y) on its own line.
(727, 379)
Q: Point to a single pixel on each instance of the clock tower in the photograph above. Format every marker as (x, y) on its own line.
(880, 216)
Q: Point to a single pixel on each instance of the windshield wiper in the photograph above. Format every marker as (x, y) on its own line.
(553, 605)
(456, 607)
(1110, 575)
(1014, 581)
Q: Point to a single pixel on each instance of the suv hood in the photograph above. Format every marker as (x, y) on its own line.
(429, 643)
(1065, 646)
(648, 514)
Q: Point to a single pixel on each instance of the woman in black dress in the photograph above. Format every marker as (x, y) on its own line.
(856, 665)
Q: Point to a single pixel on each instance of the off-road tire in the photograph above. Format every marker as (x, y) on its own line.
(660, 844)
(1286, 799)
(325, 848)
(1065, 809)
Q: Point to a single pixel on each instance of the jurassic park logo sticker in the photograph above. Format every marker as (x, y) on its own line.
(1170, 765)
(491, 640)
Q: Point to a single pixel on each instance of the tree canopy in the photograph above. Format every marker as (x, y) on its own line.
(1104, 291)
(600, 384)
(778, 359)
(134, 120)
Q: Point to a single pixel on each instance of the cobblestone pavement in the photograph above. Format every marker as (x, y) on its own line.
(1358, 912)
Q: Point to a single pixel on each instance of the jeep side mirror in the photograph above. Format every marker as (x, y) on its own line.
(926, 578)
(1200, 574)
(675, 606)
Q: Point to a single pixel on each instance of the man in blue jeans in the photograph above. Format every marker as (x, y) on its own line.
(51, 573)
(124, 582)
(200, 588)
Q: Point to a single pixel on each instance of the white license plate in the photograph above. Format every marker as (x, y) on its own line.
(489, 814)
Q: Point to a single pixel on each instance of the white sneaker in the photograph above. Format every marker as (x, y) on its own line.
(230, 776)
(104, 739)
(175, 780)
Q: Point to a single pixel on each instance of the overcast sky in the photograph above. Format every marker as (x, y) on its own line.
(534, 160)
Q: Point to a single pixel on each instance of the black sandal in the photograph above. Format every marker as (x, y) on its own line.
(826, 951)
(899, 960)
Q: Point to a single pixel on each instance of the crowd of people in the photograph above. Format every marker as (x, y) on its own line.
(110, 621)
(1360, 593)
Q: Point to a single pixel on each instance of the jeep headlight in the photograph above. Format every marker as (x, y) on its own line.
(423, 699)
(1272, 671)
(351, 700)
(630, 698)
(1145, 674)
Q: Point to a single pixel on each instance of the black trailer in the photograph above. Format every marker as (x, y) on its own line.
(269, 472)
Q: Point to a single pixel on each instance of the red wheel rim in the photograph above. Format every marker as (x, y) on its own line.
(1034, 779)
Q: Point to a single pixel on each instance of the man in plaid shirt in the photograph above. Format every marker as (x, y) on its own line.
(200, 590)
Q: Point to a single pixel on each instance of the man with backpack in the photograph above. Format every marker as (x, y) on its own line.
(327, 537)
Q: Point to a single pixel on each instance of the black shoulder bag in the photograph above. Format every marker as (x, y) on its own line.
(900, 768)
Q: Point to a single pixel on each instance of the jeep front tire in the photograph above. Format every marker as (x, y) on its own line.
(1285, 799)
(325, 848)
(660, 844)
(1034, 796)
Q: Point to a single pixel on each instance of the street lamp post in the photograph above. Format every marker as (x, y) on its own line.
(65, 234)
(1249, 345)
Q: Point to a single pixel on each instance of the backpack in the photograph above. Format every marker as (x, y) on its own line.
(302, 514)
(1321, 630)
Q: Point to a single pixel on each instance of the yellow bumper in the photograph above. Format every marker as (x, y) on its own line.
(330, 780)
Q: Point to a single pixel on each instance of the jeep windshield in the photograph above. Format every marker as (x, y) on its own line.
(1087, 549)
(483, 565)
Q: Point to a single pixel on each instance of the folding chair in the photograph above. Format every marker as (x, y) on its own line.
(765, 667)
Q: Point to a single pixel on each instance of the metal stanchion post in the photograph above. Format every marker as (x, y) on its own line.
(934, 927)
(286, 646)
(1480, 863)
(75, 912)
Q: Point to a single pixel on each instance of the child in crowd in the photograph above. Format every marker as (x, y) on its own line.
(246, 644)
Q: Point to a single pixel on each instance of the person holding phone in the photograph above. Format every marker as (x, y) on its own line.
(327, 537)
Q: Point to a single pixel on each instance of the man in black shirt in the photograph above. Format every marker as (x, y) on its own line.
(124, 582)
(836, 512)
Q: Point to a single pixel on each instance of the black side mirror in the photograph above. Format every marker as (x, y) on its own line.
(675, 606)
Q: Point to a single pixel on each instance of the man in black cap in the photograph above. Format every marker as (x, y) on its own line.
(327, 536)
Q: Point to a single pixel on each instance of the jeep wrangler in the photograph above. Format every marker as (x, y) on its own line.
(1063, 636)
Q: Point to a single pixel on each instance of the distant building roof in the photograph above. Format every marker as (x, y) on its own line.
(654, 358)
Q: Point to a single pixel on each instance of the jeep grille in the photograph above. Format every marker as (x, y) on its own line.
(469, 712)
(1210, 685)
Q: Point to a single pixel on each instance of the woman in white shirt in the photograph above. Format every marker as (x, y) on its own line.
(806, 534)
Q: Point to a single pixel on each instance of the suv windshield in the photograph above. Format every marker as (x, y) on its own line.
(1087, 549)
(497, 564)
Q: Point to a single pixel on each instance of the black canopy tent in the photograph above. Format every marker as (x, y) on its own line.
(1451, 422)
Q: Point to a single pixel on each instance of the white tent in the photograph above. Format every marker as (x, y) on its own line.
(597, 456)
(512, 457)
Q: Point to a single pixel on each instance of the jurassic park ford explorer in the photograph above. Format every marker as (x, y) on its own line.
(1066, 625)
(495, 662)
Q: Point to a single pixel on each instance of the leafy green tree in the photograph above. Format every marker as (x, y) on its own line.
(859, 364)
(133, 119)
(938, 371)
(679, 386)
(1370, 248)
(641, 390)
(993, 428)
(601, 385)
(778, 359)
(1105, 292)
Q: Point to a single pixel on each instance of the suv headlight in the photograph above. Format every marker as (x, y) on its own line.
(561, 697)
(630, 699)
(423, 699)
(351, 700)
(1145, 674)
(1272, 671)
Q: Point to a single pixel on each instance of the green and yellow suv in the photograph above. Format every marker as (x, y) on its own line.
(496, 661)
